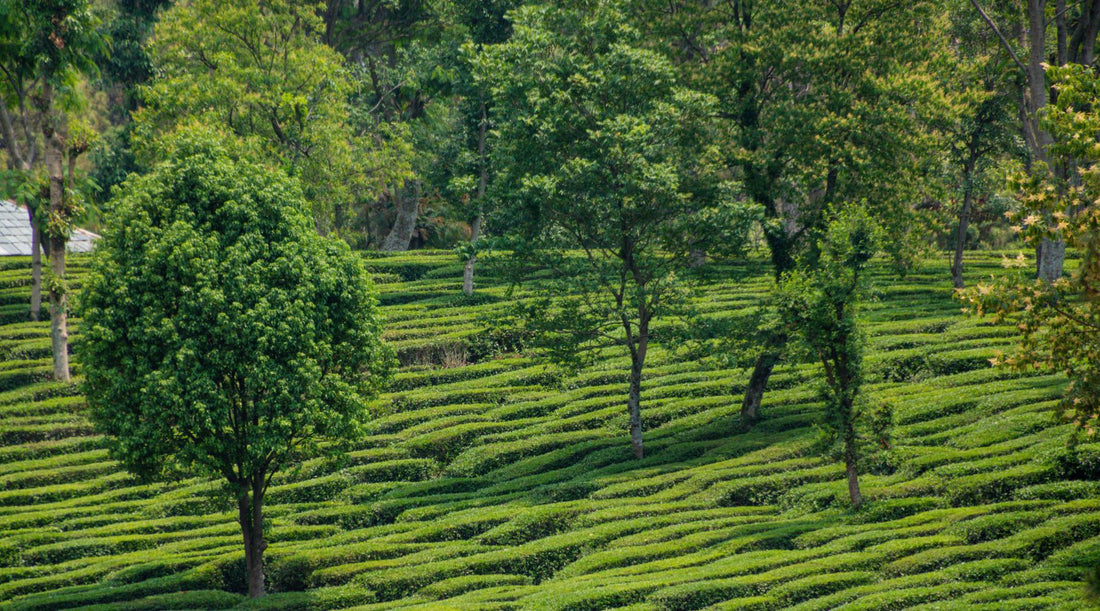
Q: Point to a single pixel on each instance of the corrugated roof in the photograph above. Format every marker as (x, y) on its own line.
(15, 233)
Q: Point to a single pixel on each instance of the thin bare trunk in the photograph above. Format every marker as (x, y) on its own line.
(1060, 24)
(24, 159)
(852, 469)
(408, 205)
(482, 184)
(59, 302)
(634, 406)
(1036, 75)
(59, 316)
(1051, 255)
(36, 266)
(634, 401)
(468, 268)
(964, 225)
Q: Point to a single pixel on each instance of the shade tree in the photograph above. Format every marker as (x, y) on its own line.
(221, 336)
(822, 106)
(47, 47)
(819, 303)
(601, 160)
(1059, 321)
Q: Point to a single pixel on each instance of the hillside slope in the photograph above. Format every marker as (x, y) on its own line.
(491, 482)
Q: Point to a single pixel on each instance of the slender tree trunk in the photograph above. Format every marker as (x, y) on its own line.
(1051, 256)
(1063, 33)
(250, 509)
(36, 266)
(482, 186)
(634, 402)
(59, 316)
(758, 383)
(964, 225)
(852, 467)
(1036, 75)
(55, 151)
(782, 260)
(408, 205)
(468, 268)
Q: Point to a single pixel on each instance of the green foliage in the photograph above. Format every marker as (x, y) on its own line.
(1059, 322)
(820, 303)
(260, 72)
(600, 149)
(221, 335)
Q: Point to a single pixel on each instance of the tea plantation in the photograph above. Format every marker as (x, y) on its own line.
(490, 481)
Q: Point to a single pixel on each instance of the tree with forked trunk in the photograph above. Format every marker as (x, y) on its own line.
(821, 104)
(600, 178)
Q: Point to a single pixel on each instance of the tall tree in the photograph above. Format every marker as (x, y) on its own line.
(125, 70)
(49, 45)
(597, 150)
(819, 302)
(825, 105)
(222, 336)
(468, 171)
(1074, 34)
(399, 54)
(985, 128)
(1059, 321)
(20, 121)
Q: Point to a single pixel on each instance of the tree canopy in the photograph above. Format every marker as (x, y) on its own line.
(222, 336)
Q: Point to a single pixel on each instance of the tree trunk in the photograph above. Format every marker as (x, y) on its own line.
(408, 205)
(482, 186)
(758, 382)
(960, 237)
(1051, 255)
(697, 258)
(468, 276)
(468, 269)
(852, 468)
(250, 509)
(1036, 75)
(1060, 24)
(36, 266)
(59, 331)
(634, 402)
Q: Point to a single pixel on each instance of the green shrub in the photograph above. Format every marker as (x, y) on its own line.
(816, 586)
(699, 594)
(319, 599)
(996, 485)
(995, 526)
(445, 444)
(309, 491)
(534, 523)
(402, 470)
(199, 599)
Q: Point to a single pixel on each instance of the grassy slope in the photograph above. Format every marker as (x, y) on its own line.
(497, 485)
